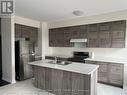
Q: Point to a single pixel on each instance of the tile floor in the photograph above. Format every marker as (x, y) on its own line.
(26, 88)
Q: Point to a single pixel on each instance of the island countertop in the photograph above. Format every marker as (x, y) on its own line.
(74, 67)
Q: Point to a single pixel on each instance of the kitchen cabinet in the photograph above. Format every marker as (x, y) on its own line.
(23, 31)
(18, 30)
(67, 37)
(99, 35)
(118, 29)
(60, 37)
(92, 35)
(116, 74)
(56, 38)
(104, 35)
(60, 82)
(109, 73)
(33, 35)
(78, 32)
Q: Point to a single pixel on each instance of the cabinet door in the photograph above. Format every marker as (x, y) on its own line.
(48, 80)
(67, 37)
(56, 81)
(18, 30)
(92, 36)
(105, 35)
(118, 29)
(39, 77)
(116, 74)
(102, 72)
(25, 31)
(66, 83)
(34, 35)
(56, 37)
(80, 84)
(52, 36)
(78, 32)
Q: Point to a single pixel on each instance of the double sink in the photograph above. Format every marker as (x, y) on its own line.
(59, 62)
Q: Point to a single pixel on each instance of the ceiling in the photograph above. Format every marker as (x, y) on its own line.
(55, 10)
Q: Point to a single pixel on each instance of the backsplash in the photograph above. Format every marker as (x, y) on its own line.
(98, 52)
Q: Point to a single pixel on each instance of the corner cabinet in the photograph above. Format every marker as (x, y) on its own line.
(99, 35)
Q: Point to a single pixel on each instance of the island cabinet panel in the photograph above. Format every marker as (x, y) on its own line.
(67, 79)
(47, 78)
(56, 84)
(109, 73)
(61, 82)
(80, 84)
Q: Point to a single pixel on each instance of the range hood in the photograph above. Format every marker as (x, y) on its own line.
(78, 40)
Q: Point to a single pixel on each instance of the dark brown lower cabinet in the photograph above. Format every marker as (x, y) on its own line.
(109, 73)
(61, 82)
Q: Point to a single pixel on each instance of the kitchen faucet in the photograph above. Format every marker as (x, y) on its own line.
(55, 59)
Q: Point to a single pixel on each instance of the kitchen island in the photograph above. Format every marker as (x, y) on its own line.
(71, 79)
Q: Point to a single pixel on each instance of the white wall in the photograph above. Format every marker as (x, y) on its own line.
(27, 21)
(46, 50)
(8, 53)
(107, 52)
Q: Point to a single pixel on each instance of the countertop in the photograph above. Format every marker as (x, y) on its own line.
(74, 67)
(109, 59)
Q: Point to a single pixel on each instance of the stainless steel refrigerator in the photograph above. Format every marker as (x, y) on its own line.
(24, 53)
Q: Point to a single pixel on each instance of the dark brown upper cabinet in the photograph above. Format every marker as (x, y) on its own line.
(99, 35)
(92, 36)
(118, 29)
(18, 30)
(56, 37)
(23, 31)
(104, 35)
(78, 32)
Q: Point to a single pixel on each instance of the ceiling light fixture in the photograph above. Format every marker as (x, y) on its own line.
(78, 13)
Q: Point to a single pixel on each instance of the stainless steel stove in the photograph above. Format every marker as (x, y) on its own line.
(79, 56)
